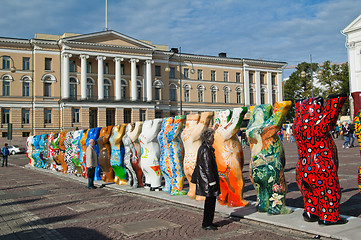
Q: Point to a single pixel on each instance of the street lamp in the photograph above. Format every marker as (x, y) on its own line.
(12, 69)
(167, 69)
(319, 73)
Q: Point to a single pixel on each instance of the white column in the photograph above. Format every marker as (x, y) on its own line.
(258, 87)
(101, 77)
(280, 87)
(118, 77)
(269, 88)
(149, 80)
(83, 76)
(145, 96)
(246, 87)
(65, 80)
(133, 79)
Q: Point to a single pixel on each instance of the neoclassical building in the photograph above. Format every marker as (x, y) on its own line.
(106, 78)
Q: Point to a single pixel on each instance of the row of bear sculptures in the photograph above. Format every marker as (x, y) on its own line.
(168, 148)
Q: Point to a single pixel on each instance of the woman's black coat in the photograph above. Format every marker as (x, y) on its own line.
(206, 172)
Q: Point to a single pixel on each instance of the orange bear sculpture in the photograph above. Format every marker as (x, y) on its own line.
(105, 154)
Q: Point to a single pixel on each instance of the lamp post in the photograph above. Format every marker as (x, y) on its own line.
(12, 69)
(319, 73)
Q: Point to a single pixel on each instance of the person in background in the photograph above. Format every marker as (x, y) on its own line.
(5, 152)
(91, 163)
(338, 128)
(206, 178)
(352, 134)
(346, 134)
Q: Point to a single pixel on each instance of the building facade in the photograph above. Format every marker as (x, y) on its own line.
(79, 81)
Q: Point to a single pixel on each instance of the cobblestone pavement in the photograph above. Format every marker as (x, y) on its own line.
(41, 205)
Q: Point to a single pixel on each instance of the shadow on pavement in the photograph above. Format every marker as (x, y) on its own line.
(21, 202)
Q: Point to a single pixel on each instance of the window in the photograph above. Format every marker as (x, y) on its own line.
(89, 87)
(26, 89)
(123, 90)
(5, 116)
(139, 90)
(173, 113)
(186, 73)
(137, 70)
(214, 90)
(274, 96)
(48, 64)
(187, 93)
(143, 115)
(26, 63)
(4, 134)
(47, 115)
(105, 68)
(273, 79)
(122, 68)
(6, 88)
(157, 71)
(72, 66)
(225, 74)
(127, 115)
(158, 114)
(213, 75)
(251, 96)
(6, 62)
(238, 77)
(157, 93)
(200, 74)
(263, 79)
(200, 95)
(72, 88)
(239, 95)
(76, 115)
(251, 78)
(47, 89)
(26, 134)
(25, 116)
(172, 72)
(263, 96)
(107, 84)
(88, 67)
(172, 92)
(110, 117)
(226, 95)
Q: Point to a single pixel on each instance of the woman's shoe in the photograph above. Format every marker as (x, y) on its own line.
(309, 217)
(210, 227)
(340, 221)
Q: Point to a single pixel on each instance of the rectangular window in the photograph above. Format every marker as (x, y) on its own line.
(238, 77)
(214, 96)
(6, 62)
(5, 116)
(239, 97)
(26, 89)
(26, 134)
(200, 74)
(225, 74)
(47, 115)
(4, 134)
(213, 75)
(172, 72)
(262, 79)
(6, 88)
(137, 70)
(157, 71)
(273, 79)
(226, 97)
(172, 94)
(186, 95)
(200, 96)
(251, 78)
(157, 91)
(76, 115)
(71, 66)
(25, 116)
(47, 89)
(122, 66)
(110, 117)
(186, 73)
(127, 115)
(143, 115)
(26, 63)
(106, 68)
(48, 64)
(88, 67)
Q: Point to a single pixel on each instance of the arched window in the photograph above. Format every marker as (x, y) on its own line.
(139, 90)
(263, 94)
(73, 87)
(89, 87)
(6, 79)
(48, 79)
(26, 85)
(214, 90)
(187, 89)
(107, 85)
(158, 85)
(239, 95)
(172, 92)
(274, 96)
(200, 89)
(226, 90)
(123, 89)
(251, 96)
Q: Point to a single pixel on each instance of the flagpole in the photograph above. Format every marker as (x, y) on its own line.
(106, 15)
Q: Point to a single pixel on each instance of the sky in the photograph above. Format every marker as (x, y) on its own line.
(277, 30)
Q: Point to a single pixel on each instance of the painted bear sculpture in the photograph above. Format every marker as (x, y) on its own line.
(68, 152)
(75, 151)
(36, 152)
(29, 150)
(357, 122)
(229, 156)
(82, 151)
(171, 159)
(50, 151)
(56, 164)
(105, 154)
(268, 160)
(132, 154)
(316, 170)
(150, 154)
(64, 166)
(44, 150)
(93, 133)
(191, 137)
(117, 154)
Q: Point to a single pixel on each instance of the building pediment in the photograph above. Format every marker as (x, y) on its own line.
(109, 38)
(353, 26)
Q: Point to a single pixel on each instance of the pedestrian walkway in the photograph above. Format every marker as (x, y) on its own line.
(294, 221)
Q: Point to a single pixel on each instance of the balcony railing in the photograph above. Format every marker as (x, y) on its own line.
(110, 99)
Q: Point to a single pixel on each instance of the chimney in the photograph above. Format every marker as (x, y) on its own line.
(222, 54)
